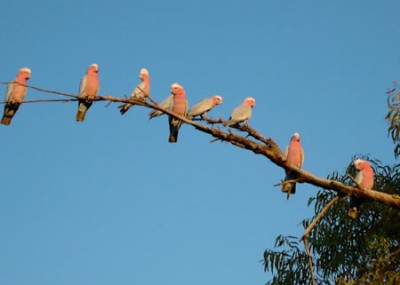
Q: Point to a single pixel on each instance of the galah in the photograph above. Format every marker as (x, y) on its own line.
(164, 104)
(141, 91)
(365, 178)
(15, 95)
(294, 155)
(205, 105)
(178, 105)
(88, 90)
(241, 113)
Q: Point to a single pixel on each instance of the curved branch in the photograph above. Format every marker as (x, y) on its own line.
(266, 147)
(317, 218)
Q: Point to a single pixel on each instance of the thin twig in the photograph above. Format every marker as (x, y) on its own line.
(108, 104)
(320, 215)
(310, 263)
(298, 180)
(45, 101)
(308, 230)
(152, 100)
(355, 181)
(214, 140)
(43, 90)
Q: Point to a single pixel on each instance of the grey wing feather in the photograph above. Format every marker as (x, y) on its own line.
(138, 91)
(200, 108)
(10, 88)
(187, 107)
(241, 113)
(286, 152)
(82, 86)
(164, 104)
(359, 177)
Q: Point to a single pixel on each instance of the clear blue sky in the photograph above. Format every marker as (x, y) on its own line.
(110, 201)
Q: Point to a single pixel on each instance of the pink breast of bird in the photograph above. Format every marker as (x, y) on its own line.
(146, 89)
(19, 91)
(367, 176)
(294, 154)
(146, 81)
(179, 103)
(92, 84)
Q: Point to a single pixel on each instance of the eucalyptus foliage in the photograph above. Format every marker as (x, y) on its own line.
(344, 251)
(393, 117)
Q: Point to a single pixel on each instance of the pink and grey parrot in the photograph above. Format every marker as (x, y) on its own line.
(164, 104)
(294, 155)
(205, 105)
(241, 113)
(364, 177)
(88, 90)
(178, 105)
(141, 91)
(15, 95)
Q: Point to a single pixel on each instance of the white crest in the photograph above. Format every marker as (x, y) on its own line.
(357, 162)
(95, 66)
(176, 85)
(296, 135)
(144, 71)
(26, 69)
(218, 97)
(250, 99)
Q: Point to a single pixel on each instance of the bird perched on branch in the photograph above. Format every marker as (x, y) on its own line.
(294, 155)
(365, 179)
(164, 104)
(141, 91)
(205, 105)
(242, 113)
(15, 95)
(88, 90)
(178, 105)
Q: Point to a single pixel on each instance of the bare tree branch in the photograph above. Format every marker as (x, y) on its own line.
(47, 101)
(310, 228)
(42, 90)
(319, 217)
(310, 263)
(266, 147)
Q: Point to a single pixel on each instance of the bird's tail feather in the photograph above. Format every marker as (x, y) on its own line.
(124, 108)
(80, 116)
(289, 188)
(173, 139)
(228, 123)
(173, 134)
(6, 120)
(82, 109)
